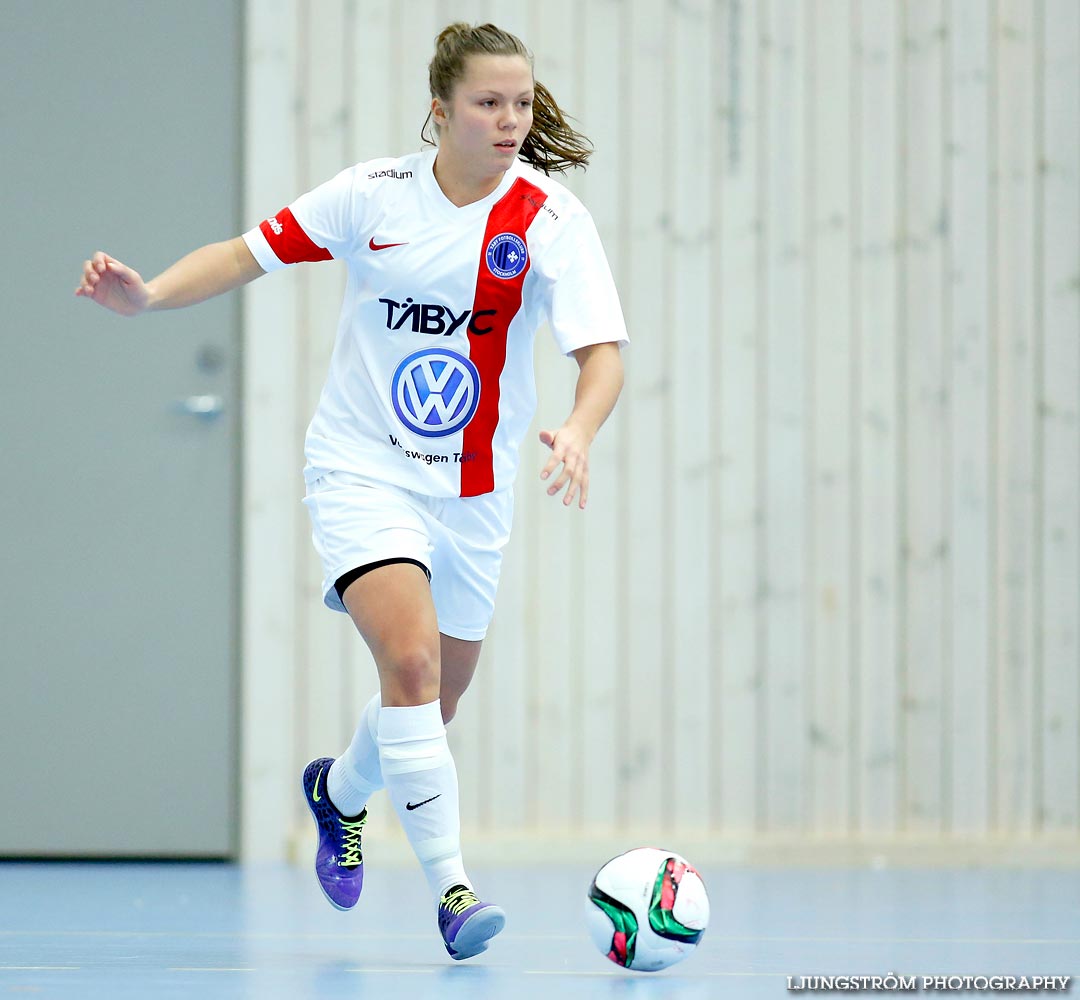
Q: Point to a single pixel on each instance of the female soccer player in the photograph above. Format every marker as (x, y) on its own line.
(455, 255)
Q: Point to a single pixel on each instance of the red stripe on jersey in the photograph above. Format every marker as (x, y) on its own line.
(289, 241)
(511, 214)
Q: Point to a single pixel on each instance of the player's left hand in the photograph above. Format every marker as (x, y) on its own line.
(569, 448)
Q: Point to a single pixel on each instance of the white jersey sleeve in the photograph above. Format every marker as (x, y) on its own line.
(580, 300)
(322, 224)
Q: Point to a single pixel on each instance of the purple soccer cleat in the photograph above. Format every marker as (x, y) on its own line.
(467, 924)
(339, 862)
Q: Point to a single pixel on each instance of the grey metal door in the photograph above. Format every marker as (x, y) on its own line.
(118, 438)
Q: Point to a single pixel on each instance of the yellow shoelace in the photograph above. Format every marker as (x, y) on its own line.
(352, 856)
(460, 900)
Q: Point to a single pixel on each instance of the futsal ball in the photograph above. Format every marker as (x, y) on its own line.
(647, 909)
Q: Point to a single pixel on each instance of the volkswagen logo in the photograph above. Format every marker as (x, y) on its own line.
(435, 392)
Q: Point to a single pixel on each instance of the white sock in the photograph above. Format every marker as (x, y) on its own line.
(422, 783)
(355, 776)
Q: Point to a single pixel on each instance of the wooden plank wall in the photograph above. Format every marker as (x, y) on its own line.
(829, 581)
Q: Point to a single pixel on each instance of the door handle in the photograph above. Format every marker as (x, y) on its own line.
(204, 407)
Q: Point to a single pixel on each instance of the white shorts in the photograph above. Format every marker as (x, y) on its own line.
(358, 521)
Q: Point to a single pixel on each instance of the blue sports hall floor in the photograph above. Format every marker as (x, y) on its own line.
(103, 930)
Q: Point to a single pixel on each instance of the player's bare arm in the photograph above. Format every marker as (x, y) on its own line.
(211, 270)
(600, 380)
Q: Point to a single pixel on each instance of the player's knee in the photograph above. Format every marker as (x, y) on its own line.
(413, 675)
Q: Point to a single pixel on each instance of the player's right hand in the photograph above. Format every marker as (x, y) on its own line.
(113, 285)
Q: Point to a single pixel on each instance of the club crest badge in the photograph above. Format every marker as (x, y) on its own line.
(506, 255)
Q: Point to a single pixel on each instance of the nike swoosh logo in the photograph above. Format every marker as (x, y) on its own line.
(383, 246)
(315, 796)
(416, 805)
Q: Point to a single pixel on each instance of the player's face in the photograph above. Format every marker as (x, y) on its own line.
(489, 114)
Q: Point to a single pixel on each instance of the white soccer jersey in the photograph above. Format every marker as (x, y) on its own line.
(431, 383)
